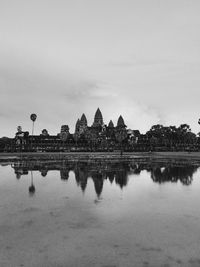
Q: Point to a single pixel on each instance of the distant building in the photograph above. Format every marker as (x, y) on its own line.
(98, 119)
(120, 122)
(95, 137)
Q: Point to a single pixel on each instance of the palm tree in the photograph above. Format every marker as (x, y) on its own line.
(33, 117)
(44, 132)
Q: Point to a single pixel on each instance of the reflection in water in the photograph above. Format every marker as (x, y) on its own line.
(99, 170)
(32, 187)
(173, 174)
(45, 220)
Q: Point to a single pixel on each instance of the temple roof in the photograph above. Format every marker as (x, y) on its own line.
(77, 124)
(120, 122)
(83, 119)
(78, 121)
(98, 118)
(98, 114)
(111, 124)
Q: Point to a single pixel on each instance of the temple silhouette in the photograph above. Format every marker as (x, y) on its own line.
(103, 137)
(96, 137)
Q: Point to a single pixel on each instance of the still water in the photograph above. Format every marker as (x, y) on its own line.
(99, 213)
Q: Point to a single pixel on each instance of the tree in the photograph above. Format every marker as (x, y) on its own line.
(33, 117)
(45, 132)
(19, 129)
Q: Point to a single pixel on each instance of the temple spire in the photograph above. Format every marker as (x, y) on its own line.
(83, 120)
(120, 122)
(77, 125)
(111, 124)
(98, 119)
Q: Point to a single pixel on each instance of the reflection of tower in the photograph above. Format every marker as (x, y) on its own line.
(83, 184)
(110, 176)
(76, 173)
(32, 187)
(121, 178)
(81, 176)
(98, 183)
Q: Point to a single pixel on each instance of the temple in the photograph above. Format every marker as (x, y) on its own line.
(98, 119)
(97, 125)
(83, 124)
(98, 136)
(101, 137)
(120, 122)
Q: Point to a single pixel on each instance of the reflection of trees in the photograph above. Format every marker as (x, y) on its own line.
(173, 174)
(20, 172)
(100, 170)
(44, 172)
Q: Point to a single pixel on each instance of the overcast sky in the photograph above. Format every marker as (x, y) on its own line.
(138, 58)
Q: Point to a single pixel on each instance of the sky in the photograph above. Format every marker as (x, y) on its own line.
(62, 58)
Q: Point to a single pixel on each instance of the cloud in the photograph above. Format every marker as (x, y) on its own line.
(61, 101)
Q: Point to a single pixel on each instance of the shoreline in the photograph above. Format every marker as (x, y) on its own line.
(98, 155)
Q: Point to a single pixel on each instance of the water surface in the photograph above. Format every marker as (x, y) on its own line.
(99, 213)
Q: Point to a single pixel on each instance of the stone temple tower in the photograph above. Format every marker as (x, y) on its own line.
(120, 122)
(98, 119)
(82, 124)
